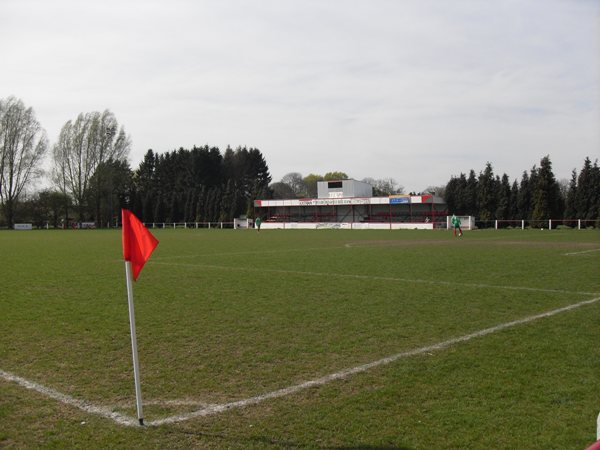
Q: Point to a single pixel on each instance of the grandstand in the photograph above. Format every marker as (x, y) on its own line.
(350, 204)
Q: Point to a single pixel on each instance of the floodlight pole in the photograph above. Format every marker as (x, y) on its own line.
(136, 366)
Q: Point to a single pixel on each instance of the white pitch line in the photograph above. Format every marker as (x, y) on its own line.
(215, 409)
(376, 278)
(582, 252)
(249, 252)
(102, 411)
(124, 420)
(349, 245)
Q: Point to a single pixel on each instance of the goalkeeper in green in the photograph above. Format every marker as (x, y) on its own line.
(456, 223)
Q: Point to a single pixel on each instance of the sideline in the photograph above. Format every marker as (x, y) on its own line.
(374, 277)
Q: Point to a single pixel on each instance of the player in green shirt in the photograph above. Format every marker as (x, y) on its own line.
(456, 223)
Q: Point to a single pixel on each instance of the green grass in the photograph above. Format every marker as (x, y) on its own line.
(224, 315)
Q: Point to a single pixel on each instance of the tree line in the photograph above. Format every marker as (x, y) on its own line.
(199, 185)
(91, 180)
(536, 196)
(91, 177)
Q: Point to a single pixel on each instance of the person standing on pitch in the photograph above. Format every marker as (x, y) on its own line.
(456, 224)
(257, 223)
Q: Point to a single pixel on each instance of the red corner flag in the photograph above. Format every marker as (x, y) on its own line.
(138, 242)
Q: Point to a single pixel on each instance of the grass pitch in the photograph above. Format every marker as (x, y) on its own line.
(224, 316)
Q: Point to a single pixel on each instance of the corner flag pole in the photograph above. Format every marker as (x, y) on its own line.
(138, 245)
(136, 366)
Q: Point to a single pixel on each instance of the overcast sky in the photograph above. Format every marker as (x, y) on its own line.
(415, 90)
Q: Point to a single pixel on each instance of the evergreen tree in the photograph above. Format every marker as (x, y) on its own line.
(487, 194)
(533, 177)
(538, 195)
(201, 205)
(462, 203)
(523, 200)
(147, 207)
(595, 193)
(513, 209)
(226, 203)
(213, 205)
(173, 214)
(144, 176)
(159, 209)
(503, 194)
(452, 195)
(218, 196)
(210, 200)
(470, 201)
(238, 207)
(570, 206)
(189, 183)
(546, 196)
(584, 183)
(188, 205)
(461, 194)
(587, 195)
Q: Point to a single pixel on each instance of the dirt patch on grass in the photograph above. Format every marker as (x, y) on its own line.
(384, 243)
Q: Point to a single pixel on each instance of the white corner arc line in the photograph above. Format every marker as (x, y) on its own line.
(215, 409)
(121, 419)
(125, 420)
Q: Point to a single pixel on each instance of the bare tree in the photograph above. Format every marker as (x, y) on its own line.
(23, 143)
(92, 139)
(296, 183)
(282, 190)
(384, 186)
(440, 191)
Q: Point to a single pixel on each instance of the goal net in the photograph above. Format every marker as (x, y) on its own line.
(242, 223)
(466, 222)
